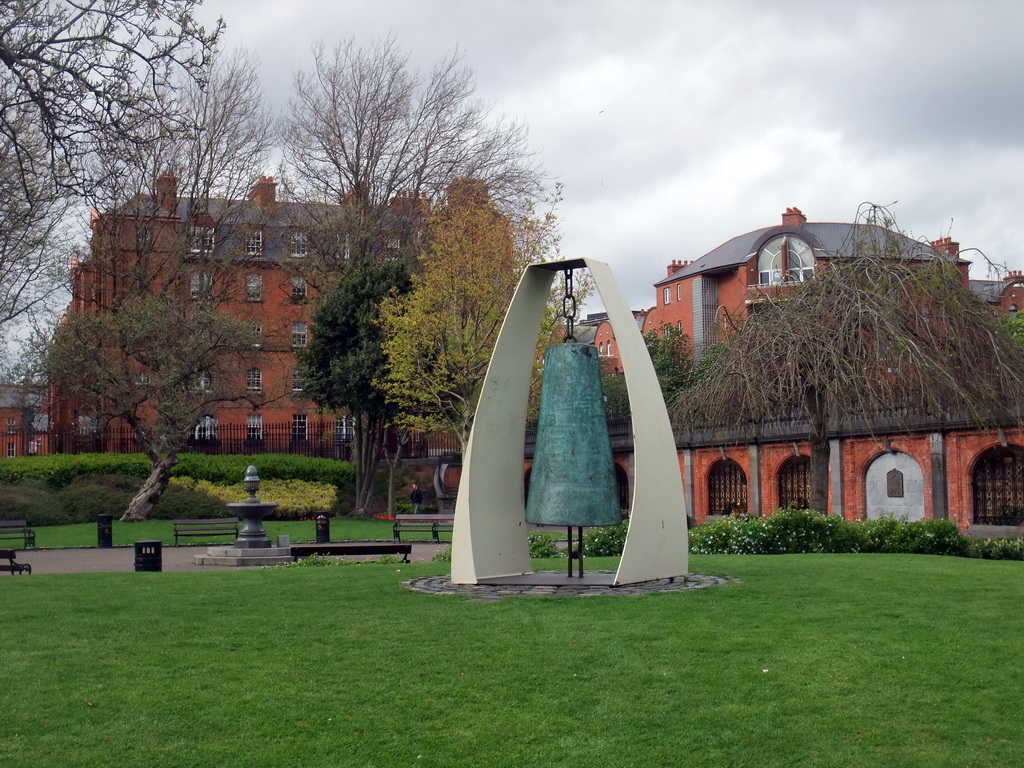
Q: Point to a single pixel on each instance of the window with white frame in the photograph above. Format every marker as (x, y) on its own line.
(202, 286)
(142, 379)
(12, 424)
(300, 334)
(202, 239)
(784, 259)
(300, 244)
(204, 382)
(346, 247)
(254, 243)
(300, 426)
(257, 332)
(254, 287)
(206, 429)
(297, 383)
(299, 288)
(11, 450)
(679, 291)
(254, 379)
(254, 426)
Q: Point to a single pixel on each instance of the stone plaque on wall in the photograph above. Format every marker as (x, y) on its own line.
(894, 484)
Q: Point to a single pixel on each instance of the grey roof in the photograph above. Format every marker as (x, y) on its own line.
(825, 239)
(988, 290)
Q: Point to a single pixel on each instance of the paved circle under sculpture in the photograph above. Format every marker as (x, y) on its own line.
(442, 585)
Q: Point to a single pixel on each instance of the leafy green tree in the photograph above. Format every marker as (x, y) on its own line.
(439, 337)
(156, 364)
(673, 363)
(881, 331)
(344, 359)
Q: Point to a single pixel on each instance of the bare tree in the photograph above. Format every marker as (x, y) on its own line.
(82, 72)
(33, 238)
(883, 333)
(369, 133)
(145, 342)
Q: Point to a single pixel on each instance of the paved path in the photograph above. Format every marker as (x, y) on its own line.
(117, 559)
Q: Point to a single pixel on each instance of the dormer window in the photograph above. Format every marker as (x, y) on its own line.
(254, 243)
(784, 259)
(202, 239)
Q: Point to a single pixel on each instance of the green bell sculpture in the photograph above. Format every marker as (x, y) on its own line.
(572, 481)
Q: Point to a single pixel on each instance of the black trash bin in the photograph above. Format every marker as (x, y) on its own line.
(149, 555)
(323, 529)
(105, 531)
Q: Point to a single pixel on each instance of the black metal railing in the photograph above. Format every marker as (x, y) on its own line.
(320, 438)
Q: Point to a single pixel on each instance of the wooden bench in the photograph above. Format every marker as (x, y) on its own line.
(219, 526)
(352, 548)
(18, 529)
(10, 565)
(434, 523)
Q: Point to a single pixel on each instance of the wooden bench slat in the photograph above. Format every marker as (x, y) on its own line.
(433, 523)
(18, 529)
(219, 526)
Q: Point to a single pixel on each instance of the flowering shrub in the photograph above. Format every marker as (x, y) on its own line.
(995, 549)
(444, 556)
(296, 499)
(792, 531)
(607, 541)
(544, 544)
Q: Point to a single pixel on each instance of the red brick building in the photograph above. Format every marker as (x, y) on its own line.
(974, 478)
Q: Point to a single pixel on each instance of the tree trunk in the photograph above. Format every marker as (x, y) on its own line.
(369, 439)
(817, 420)
(393, 462)
(151, 490)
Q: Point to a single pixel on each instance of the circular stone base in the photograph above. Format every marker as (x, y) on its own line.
(442, 585)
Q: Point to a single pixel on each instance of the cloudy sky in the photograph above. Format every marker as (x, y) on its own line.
(675, 125)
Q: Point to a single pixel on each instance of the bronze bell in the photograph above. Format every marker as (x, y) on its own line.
(572, 482)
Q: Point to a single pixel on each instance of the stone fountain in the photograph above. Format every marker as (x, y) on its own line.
(253, 546)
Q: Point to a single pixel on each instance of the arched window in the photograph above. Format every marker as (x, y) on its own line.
(785, 259)
(997, 487)
(795, 482)
(727, 488)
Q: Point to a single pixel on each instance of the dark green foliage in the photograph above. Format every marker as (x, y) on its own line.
(83, 501)
(606, 541)
(270, 466)
(344, 358)
(34, 505)
(58, 471)
(179, 502)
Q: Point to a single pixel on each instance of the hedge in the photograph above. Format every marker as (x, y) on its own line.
(58, 471)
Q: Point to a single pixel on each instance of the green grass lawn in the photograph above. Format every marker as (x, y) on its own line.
(124, 534)
(812, 660)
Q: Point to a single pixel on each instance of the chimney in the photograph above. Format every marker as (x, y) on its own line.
(793, 217)
(166, 192)
(674, 267)
(947, 246)
(264, 191)
(1013, 276)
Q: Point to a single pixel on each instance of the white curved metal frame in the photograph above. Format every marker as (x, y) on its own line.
(489, 540)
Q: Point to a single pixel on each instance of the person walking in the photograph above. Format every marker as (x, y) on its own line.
(416, 497)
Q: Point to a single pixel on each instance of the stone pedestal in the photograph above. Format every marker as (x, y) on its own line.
(241, 556)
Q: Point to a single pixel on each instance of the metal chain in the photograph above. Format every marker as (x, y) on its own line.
(569, 307)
